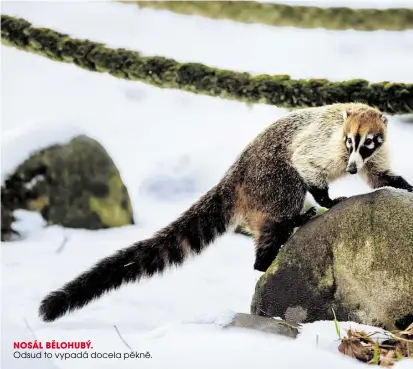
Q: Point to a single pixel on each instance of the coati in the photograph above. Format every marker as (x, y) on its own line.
(265, 188)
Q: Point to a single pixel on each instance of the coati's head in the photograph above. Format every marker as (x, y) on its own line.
(364, 133)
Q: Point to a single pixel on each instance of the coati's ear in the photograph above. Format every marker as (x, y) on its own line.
(384, 119)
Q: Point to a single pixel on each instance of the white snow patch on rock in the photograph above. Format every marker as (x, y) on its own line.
(19, 143)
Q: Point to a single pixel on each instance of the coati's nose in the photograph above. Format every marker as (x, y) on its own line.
(352, 168)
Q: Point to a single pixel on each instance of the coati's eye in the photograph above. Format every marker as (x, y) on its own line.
(371, 142)
(349, 140)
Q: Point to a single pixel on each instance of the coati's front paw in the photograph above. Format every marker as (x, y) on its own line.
(264, 259)
(261, 265)
(338, 199)
(410, 189)
(310, 213)
(301, 219)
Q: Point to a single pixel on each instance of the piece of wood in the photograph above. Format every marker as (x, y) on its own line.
(264, 324)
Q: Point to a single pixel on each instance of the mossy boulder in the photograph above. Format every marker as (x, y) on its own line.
(75, 185)
(356, 258)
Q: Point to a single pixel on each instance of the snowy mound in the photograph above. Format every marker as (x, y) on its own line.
(18, 143)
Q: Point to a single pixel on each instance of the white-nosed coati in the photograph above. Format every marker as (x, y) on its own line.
(265, 188)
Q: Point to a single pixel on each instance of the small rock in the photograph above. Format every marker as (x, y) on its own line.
(75, 185)
(264, 324)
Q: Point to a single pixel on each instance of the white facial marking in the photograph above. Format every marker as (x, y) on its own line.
(368, 141)
(355, 158)
(349, 141)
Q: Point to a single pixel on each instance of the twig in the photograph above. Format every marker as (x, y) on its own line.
(282, 321)
(126, 344)
(63, 244)
(395, 337)
(267, 315)
(29, 328)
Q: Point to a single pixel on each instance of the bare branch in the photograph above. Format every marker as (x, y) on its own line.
(29, 328)
(126, 344)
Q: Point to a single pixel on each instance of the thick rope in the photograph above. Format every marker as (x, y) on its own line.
(290, 16)
(280, 90)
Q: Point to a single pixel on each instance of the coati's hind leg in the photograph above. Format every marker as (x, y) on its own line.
(274, 234)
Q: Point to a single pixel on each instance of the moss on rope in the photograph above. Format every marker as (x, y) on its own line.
(280, 90)
(294, 16)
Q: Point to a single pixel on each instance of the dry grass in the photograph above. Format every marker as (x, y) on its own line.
(383, 349)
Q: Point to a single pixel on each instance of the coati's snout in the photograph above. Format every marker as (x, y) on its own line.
(352, 168)
(358, 150)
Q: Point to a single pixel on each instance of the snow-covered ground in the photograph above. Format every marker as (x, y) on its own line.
(170, 147)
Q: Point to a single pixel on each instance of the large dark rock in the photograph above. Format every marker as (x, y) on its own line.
(76, 185)
(356, 258)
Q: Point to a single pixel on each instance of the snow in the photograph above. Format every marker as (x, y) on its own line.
(19, 143)
(170, 147)
(230, 45)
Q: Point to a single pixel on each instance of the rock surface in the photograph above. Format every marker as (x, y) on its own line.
(356, 258)
(76, 185)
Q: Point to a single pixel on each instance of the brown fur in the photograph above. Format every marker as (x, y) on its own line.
(244, 213)
(364, 121)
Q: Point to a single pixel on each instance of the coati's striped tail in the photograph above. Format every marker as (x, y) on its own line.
(189, 234)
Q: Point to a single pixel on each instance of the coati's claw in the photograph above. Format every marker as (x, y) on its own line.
(307, 216)
(300, 219)
(311, 213)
